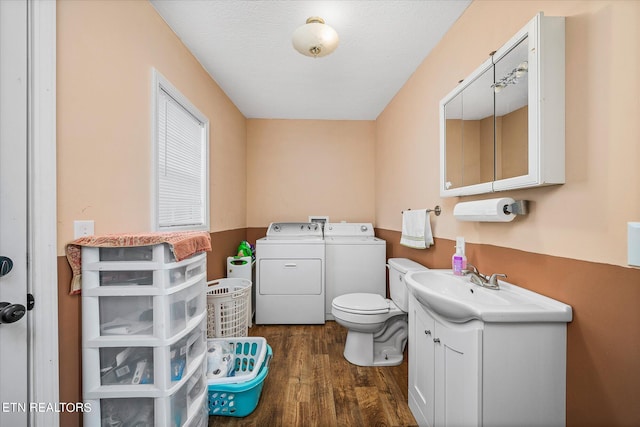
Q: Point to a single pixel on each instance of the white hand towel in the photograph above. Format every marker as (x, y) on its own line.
(416, 229)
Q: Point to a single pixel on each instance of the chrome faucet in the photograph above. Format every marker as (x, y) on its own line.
(493, 281)
(474, 275)
(480, 279)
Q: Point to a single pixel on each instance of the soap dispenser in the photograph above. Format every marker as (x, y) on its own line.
(459, 260)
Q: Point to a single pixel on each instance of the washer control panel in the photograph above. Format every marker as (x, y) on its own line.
(294, 229)
(349, 229)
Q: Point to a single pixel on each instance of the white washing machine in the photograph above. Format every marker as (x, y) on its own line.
(355, 261)
(290, 274)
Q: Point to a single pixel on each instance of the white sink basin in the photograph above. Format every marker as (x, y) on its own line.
(458, 300)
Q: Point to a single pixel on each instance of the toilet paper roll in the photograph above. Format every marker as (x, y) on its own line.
(490, 210)
(217, 366)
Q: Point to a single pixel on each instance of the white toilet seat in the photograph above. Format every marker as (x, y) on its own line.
(362, 303)
(364, 309)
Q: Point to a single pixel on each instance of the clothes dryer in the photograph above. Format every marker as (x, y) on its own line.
(355, 261)
(290, 274)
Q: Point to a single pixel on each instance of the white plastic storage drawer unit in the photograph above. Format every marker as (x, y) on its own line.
(143, 336)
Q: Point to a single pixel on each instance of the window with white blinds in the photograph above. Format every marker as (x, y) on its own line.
(181, 161)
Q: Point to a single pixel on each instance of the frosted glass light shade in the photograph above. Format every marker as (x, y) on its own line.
(315, 38)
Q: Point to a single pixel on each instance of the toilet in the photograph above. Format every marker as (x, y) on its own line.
(377, 326)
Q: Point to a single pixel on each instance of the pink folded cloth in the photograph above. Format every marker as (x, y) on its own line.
(182, 244)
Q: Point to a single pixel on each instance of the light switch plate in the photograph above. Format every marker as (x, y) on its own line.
(83, 228)
(633, 243)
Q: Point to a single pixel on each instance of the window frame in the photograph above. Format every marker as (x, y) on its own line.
(160, 83)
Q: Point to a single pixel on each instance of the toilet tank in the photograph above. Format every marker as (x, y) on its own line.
(398, 267)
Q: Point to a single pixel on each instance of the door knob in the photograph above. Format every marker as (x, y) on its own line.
(10, 313)
(5, 265)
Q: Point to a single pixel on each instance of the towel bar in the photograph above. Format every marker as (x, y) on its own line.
(437, 210)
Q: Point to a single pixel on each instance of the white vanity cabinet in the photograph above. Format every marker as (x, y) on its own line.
(143, 337)
(485, 374)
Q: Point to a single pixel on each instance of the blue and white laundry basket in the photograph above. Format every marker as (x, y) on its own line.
(238, 395)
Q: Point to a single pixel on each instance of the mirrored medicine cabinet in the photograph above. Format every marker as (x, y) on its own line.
(502, 127)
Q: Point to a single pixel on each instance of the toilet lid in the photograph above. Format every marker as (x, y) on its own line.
(362, 303)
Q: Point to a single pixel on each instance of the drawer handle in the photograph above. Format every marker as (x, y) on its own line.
(291, 265)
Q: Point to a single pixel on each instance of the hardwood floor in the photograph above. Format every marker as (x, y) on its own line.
(311, 384)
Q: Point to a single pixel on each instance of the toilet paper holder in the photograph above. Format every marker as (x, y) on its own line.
(503, 209)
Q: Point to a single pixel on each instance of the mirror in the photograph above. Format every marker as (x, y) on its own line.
(511, 113)
(491, 125)
(469, 121)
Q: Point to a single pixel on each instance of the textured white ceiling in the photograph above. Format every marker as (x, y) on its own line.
(246, 47)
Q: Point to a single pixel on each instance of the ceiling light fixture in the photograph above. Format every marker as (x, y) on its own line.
(315, 38)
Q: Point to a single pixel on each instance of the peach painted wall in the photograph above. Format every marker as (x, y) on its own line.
(297, 168)
(584, 219)
(105, 53)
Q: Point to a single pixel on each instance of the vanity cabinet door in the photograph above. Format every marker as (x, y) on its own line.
(421, 364)
(445, 375)
(457, 377)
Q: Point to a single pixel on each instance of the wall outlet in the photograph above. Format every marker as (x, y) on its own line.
(83, 228)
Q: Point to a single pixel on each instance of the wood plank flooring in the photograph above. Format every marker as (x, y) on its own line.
(311, 384)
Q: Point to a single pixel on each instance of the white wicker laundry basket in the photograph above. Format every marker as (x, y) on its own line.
(228, 307)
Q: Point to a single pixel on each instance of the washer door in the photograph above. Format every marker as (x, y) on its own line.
(290, 277)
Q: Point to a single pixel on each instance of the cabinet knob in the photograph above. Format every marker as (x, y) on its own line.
(427, 332)
(436, 340)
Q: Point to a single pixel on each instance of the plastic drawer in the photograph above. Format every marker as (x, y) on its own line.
(126, 365)
(155, 316)
(146, 278)
(186, 407)
(201, 419)
(186, 305)
(137, 411)
(122, 371)
(123, 278)
(158, 253)
(133, 370)
(187, 353)
(196, 300)
(159, 278)
(188, 401)
(173, 411)
(195, 388)
(126, 315)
